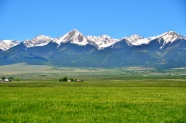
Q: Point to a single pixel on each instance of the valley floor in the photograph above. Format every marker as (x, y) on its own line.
(26, 72)
(125, 94)
(149, 100)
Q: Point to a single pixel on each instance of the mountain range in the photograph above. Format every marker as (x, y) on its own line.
(74, 49)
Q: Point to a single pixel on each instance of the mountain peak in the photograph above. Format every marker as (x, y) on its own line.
(40, 40)
(42, 37)
(105, 36)
(101, 41)
(170, 36)
(135, 37)
(74, 37)
(75, 30)
(7, 44)
(8, 41)
(136, 40)
(70, 36)
(172, 33)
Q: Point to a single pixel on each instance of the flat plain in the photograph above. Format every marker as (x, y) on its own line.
(105, 95)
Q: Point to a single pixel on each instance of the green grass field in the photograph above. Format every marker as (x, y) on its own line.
(107, 95)
(43, 72)
(96, 101)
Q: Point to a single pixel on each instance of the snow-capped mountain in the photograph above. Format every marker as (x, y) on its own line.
(101, 41)
(40, 40)
(166, 50)
(136, 40)
(7, 44)
(167, 37)
(74, 37)
(78, 38)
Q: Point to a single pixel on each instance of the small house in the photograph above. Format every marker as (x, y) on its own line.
(6, 80)
(182, 74)
(79, 80)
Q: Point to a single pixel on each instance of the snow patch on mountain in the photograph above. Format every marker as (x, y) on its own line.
(3, 46)
(170, 37)
(101, 41)
(78, 38)
(74, 37)
(135, 40)
(167, 37)
(40, 40)
(7, 44)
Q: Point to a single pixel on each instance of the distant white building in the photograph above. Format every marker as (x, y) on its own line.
(182, 74)
(6, 80)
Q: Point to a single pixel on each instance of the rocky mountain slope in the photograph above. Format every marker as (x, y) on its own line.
(74, 49)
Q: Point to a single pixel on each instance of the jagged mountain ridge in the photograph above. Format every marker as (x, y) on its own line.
(39, 40)
(100, 42)
(76, 50)
(7, 44)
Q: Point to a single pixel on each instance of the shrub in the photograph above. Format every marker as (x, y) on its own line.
(65, 79)
(10, 78)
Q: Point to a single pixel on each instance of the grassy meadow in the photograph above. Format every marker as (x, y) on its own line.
(43, 72)
(107, 95)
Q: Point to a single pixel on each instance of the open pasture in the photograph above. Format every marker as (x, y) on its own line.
(48, 73)
(113, 95)
(95, 101)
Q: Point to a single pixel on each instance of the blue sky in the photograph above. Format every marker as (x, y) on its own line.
(24, 19)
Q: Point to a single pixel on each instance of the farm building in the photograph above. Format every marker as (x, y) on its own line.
(182, 74)
(6, 80)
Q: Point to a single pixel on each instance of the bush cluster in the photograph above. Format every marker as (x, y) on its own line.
(9, 78)
(65, 79)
